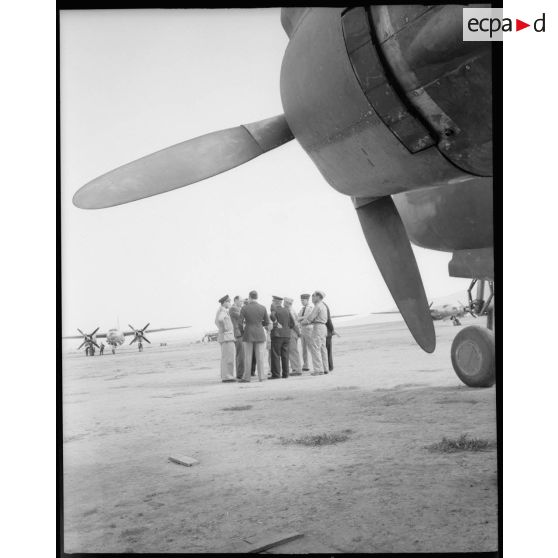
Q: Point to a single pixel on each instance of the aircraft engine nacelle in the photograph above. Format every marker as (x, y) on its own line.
(387, 99)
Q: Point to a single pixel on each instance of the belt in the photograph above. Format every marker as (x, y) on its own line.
(318, 323)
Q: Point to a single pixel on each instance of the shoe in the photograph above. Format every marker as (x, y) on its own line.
(317, 374)
(244, 381)
(326, 372)
(306, 369)
(296, 373)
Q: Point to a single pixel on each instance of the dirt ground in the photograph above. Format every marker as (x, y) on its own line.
(381, 490)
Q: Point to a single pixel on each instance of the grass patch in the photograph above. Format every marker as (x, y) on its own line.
(238, 408)
(326, 439)
(463, 443)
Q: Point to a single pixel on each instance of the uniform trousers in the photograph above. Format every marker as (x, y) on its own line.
(259, 350)
(329, 348)
(227, 360)
(280, 356)
(239, 357)
(306, 339)
(294, 355)
(318, 349)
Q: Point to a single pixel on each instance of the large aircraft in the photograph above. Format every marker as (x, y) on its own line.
(395, 110)
(442, 312)
(115, 337)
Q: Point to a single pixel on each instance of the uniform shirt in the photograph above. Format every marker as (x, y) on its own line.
(224, 324)
(304, 312)
(253, 319)
(318, 315)
(281, 315)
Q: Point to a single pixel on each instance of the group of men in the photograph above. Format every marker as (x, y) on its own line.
(249, 336)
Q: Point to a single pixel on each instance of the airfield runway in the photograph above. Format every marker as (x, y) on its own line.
(263, 465)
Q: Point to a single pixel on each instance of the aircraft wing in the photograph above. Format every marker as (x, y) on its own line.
(96, 336)
(342, 316)
(165, 329)
(387, 312)
(156, 330)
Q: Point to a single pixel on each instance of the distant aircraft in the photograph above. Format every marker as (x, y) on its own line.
(115, 337)
(395, 111)
(443, 312)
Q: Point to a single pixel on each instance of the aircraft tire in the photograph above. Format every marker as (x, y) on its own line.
(473, 356)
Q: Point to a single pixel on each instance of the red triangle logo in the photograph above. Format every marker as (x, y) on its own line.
(519, 25)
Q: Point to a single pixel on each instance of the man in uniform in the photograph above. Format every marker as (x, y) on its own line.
(101, 348)
(237, 328)
(254, 319)
(329, 337)
(318, 319)
(305, 330)
(294, 355)
(225, 337)
(283, 322)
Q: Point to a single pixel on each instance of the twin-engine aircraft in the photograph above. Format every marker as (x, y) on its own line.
(115, 337)
(395, 111)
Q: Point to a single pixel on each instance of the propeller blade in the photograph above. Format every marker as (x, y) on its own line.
(145, 327)
(81, 346)
(430, 305)
(134, 339)
(390, 246)
(95, 343)
(146, 339)
(184, 163)
(132, 327)
(91, 334)
(81, 332)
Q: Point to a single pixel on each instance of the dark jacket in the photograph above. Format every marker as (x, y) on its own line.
(329, 323)
(234, 312)
(253, 319)
(281, 315)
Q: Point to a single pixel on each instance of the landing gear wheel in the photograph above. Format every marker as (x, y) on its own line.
(472, 356)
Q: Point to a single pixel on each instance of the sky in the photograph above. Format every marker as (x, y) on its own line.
(136, 81)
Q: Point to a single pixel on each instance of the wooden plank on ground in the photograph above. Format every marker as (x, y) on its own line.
(265, 543)
(185, 460)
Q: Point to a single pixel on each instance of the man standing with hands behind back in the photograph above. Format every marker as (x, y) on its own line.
(254, 318)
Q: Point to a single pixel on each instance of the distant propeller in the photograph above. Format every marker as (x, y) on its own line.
(390, 246)
(139, 334)
(88, 338)
(184, 163)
